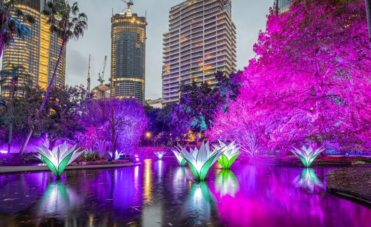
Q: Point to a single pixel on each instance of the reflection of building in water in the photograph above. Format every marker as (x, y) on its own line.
(147, 181)
(152, 211)
(226, 183)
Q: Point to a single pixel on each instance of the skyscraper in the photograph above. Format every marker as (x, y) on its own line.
(128, 55)
(283, 5)
(38, 52)
(201, 41)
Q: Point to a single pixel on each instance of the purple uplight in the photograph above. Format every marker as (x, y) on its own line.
(3, 152)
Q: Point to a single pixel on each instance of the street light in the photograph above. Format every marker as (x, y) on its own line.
(148, 135)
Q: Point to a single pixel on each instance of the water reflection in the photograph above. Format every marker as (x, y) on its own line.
(156, 194)
(199, 206)
(226, 183)
(19, 192)
(308, 180)
(59, 199)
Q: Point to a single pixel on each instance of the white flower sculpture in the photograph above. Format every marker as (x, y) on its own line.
(58, 158)
(230, 154)
(160, 154)
(307, 155)
(179, 156)
(201, 160)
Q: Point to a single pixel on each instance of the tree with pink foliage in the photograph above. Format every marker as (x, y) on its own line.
(309, 83)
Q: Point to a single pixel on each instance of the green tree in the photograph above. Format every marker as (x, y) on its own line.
(68, 23)
(198, 104)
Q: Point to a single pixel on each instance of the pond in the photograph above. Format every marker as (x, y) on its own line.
(160, 193)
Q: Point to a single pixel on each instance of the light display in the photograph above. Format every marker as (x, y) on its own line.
(179, 157)
(58, 158)
(230, 154)
(226, 183)
(201, 160)
(307, 155)
(308, 180)
(160, 154)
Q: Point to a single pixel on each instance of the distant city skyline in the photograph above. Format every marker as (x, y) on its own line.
(249, 17)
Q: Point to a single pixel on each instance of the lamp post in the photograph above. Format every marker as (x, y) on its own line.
(148, 135)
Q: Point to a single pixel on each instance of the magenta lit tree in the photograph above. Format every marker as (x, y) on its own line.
(309, 83)
(120, 121)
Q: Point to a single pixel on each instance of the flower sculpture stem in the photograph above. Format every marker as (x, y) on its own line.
(58, 158)
(231, 153)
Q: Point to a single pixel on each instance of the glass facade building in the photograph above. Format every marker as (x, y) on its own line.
(128, 56)
(283, 5)
(38, 52)
(201, 41)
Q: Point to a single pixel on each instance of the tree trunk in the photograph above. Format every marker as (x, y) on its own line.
(54, 74)
(11, 120)
(46, 95)
(368, 12)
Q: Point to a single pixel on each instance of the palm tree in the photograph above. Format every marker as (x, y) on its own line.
(11, 77)
(10, 26)
(68, 23)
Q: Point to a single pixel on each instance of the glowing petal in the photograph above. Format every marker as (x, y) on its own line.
(307, 155)
(160, 154)
(201, 160)
(58, 158)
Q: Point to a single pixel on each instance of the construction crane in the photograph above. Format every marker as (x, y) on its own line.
(101, 73)
(89, 74)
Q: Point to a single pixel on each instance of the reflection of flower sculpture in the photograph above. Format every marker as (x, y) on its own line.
(308, 179)
(230, 154)
(226, 183)
(58, 158)
(201, 160)
(200, 205)
(307, 155)
(178, 156)
(160, 154)
(59, 198)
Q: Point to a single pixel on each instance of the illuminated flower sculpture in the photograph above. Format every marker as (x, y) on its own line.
(201, 160)
(58, 158)
(160, 154)
(179, 156)
(307, 155)
(230, 154)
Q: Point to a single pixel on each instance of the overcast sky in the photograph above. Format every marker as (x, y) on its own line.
(249, 17)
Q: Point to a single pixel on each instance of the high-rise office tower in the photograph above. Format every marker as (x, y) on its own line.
(38, 52)
(128, 55)
(283, 5)
(201, 41)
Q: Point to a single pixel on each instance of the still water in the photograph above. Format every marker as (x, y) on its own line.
(160, 193)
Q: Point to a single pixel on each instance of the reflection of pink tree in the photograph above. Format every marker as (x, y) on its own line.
(309, 82)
